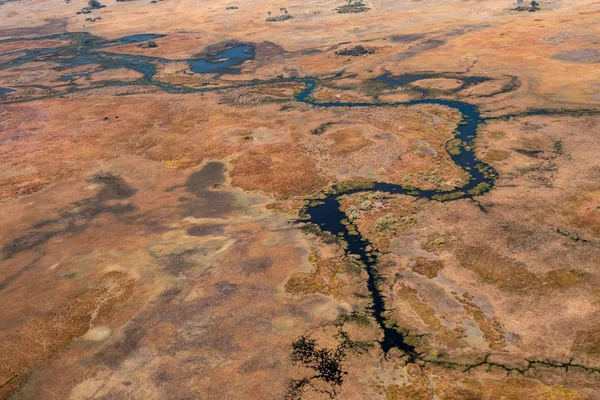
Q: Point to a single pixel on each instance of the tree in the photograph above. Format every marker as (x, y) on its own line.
(94, 4)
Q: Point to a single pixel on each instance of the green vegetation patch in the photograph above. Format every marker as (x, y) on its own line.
(495, 156)
(480, 189)
(386, 223)
(453, 146)
(151, 44)
(426, 267)
(284, 15)
(513, 276)
(448, 196)
(353, 7)
(321, 280)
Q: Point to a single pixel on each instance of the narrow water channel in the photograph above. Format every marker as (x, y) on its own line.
(328, 216)
(86, 49)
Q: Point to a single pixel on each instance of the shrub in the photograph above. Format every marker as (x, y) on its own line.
(387, 223)
(355, 51)
(284, 15)
(366, 205)
(148, 45)
(95, 4)
(353, 7)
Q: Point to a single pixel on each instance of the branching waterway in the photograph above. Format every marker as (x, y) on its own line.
(85, 49)
(328, 217)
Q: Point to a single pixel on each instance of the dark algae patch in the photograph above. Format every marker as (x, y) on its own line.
(213, 173)
(208, 201)
(406, 38)
(419, 48)
(410, 78)
(583, 56)
(205, 230)
(138, 38)
(78, 216)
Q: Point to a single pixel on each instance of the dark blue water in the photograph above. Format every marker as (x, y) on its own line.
(5, 91)
(85, 49)
(328, 217)
(223, 61)
(144, 37)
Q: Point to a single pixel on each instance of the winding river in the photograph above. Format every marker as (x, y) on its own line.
(82, 49)
(328, 216)
(86, 49)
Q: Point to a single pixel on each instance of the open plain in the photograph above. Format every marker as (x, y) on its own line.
(379, 199)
